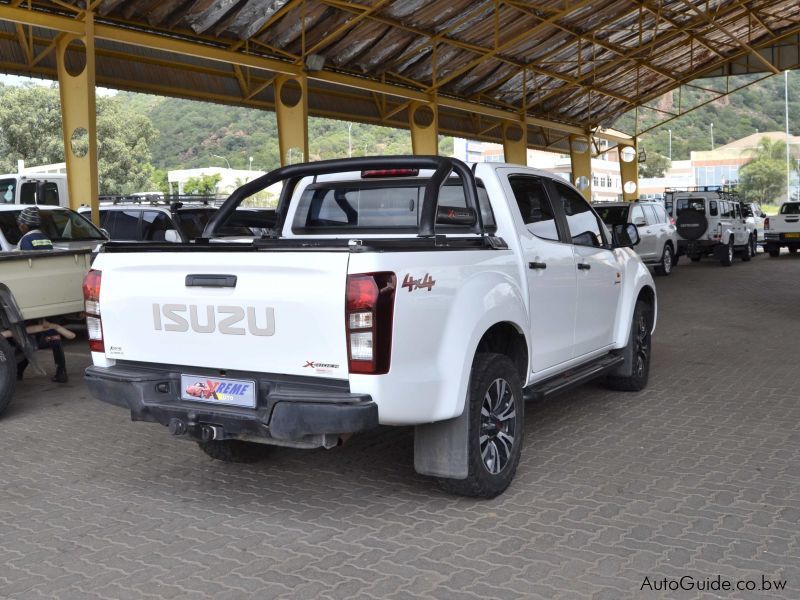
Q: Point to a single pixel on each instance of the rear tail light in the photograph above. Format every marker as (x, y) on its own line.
(672, 220)
(766, 223)
(91, 297)
(369, 310)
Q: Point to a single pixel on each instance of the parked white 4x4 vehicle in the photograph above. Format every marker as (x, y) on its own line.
(383, 295)
(710, 221)
(658, 238)
(783, 230)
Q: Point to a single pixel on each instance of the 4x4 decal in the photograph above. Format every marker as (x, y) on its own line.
(427, 282)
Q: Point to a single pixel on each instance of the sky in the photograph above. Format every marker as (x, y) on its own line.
(16, 80)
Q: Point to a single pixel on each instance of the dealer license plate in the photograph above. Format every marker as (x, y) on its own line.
(791, 235)
(231, 392)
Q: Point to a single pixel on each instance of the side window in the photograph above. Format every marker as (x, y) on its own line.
(584, 226)
(534, 206)
(738, 210)
(661, 214)
(154, 225)
(712, 208)
(650, 215)
(124, 225)
(637, 216)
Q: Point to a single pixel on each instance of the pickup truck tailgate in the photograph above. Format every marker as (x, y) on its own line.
(249, 311)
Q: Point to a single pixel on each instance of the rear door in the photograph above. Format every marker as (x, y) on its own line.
(599, 275)
(647, 246)
(551, 274)
(258, 311)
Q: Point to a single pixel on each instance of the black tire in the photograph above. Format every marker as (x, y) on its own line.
(636, 370)
(665, 267)
(773, 250)
(694, 258)
(726, 257)
(495, 391)
(8, 373)
(235, 451)
(676, 259)
(753, 246)
(792, 250)
(745, 254)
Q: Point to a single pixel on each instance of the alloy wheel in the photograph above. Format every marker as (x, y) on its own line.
(498, 427)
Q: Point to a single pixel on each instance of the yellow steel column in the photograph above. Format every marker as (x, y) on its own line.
(291, 110)
(515, 143)
(423, 120)
(629, 171)
(76, 78)
(581, 158)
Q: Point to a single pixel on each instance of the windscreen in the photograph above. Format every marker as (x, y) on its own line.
(378, 206)
(791, 208)
(58, 225)
(194, 220)
(612, 215)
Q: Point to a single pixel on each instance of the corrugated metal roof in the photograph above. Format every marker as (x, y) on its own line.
(577, 62)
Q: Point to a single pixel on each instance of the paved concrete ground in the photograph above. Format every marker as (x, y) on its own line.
(697, 476)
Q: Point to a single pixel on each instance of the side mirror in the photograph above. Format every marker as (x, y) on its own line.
(172, 236)
(105, 233)
(625, 235)
(639, 222)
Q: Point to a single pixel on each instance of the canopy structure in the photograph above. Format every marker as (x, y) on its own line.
(548, 74)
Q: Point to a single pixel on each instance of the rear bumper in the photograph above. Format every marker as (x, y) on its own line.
(696, 246)
(287, 408)
(780, 239)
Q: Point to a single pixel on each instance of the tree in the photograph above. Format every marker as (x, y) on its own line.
(763, 180)
(656, 165)
(30, 129)
(204, 184)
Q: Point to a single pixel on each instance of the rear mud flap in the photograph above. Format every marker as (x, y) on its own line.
(440, 449)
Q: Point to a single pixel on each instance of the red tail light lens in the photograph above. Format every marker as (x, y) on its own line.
(369, 310)
(91, 297)
(389, 173)
(766, 223)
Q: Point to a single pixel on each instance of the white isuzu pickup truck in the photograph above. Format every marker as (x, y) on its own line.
(391, 290)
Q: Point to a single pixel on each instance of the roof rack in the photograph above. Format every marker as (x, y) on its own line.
(174, 201)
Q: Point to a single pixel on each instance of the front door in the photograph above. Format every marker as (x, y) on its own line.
(599, 275)
(551, 274)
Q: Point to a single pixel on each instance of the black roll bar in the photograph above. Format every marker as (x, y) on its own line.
(442, 166)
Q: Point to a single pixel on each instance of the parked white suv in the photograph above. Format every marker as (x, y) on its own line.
(659, 239)
(755, 218)
(387, 293)
(710, 222)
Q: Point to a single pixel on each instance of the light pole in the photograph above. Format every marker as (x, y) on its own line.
(712, 136)
(225, 159)
(249, 163)
(670, 144)
(786, 110)
(349, 141)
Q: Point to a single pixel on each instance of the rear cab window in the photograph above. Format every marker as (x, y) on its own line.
(378, 206)
(790, 208)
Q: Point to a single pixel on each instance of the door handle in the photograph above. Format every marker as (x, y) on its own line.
(221, 281)
(537, 265)
(584, 266)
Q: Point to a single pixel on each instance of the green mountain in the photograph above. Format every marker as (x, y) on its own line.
(759, 107)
